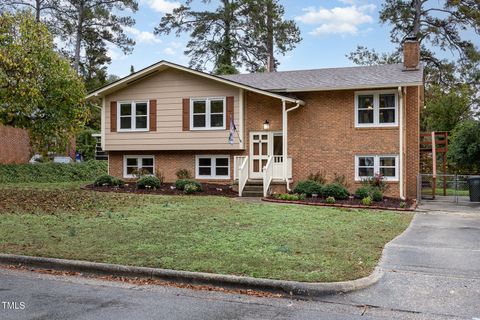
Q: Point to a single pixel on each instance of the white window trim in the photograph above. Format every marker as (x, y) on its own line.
(376, 109)
(133, 116)
(213, 159)
(139, 162)
(208, 113)
(376, 166)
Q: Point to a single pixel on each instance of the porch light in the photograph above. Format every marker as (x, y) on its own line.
(266, 125)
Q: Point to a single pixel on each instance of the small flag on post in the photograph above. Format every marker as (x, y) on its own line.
(232, 131)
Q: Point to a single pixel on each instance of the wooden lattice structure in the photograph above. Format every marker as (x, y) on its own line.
(433, 144)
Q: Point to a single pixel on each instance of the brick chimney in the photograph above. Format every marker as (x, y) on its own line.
(411, 54)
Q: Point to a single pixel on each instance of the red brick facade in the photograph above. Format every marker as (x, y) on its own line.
(322, 137)
(167, 162)
(14, 145)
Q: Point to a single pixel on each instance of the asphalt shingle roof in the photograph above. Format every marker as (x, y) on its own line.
(390, 75)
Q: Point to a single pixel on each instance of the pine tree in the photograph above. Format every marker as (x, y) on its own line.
(80, 19)
(434, 24)
(238, 33)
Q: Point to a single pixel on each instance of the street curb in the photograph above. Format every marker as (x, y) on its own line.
(295, 288)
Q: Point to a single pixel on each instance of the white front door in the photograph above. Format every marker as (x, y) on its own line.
(259, 152)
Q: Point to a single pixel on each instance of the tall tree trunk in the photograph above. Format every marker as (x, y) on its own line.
(38, 4)
(225, 57)
(417, 4)
(78, 37)
(269, 43)
(227, 43)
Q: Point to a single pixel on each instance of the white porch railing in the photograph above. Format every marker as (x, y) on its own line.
(237, 162)
(278, 167)
(267, 175)
(242, 174)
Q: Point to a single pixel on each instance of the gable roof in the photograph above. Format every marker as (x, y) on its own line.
(163, 65)
(379, 76)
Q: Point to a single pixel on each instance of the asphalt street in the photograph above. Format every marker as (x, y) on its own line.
(432, 272)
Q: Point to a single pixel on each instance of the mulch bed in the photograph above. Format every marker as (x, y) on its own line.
(208, 189)
(388, 203)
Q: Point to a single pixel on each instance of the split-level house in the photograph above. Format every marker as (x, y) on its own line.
(269, 129)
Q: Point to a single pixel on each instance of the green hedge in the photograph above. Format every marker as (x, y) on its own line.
(52, 172)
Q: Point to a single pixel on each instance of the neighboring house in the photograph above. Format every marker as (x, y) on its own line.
(353, 121)
(14, 145)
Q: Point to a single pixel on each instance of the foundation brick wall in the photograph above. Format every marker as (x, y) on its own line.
(167, 162)
(14, 145)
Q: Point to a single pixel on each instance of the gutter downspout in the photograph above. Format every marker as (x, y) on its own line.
(103, 118)
(400, 95)
(285, 139)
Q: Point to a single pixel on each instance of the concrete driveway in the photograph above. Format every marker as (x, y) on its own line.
(432, 268)
(432, 272)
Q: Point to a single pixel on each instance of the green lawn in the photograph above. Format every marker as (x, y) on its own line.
(210, 234)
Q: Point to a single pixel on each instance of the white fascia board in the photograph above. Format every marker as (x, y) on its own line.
(100, 92)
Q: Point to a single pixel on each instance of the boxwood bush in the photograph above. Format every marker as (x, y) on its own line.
(335, 190)
(181, 183)
(376, 195)
(290, 197)
(52, 172)
(362, 192)
(308, 187)
(190, 188)
(367, 191)
(106, 180)
(148, 182)
(330, 200)
(367, 201)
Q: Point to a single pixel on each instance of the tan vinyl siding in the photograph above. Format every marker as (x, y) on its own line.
(169, 88)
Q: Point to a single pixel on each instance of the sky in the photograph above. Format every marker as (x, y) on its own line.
(330, 29)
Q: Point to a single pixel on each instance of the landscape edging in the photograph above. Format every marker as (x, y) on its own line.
(338, 205)
(295, 288)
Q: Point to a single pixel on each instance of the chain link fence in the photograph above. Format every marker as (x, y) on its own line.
(446, 187)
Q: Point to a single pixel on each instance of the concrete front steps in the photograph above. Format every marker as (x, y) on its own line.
(253, 188)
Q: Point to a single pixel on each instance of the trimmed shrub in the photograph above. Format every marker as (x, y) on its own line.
(367, 191)
(148, 182)
(290, 197)
(335, 190)
(330, 200)
(181, 183)
(184, 174)
(367, 201)
(190, 188)
(363, 192)
(376, 195)
(308, 187)
(52, 172)
(106, 180)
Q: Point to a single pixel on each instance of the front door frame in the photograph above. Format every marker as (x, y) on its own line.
(261, 157)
